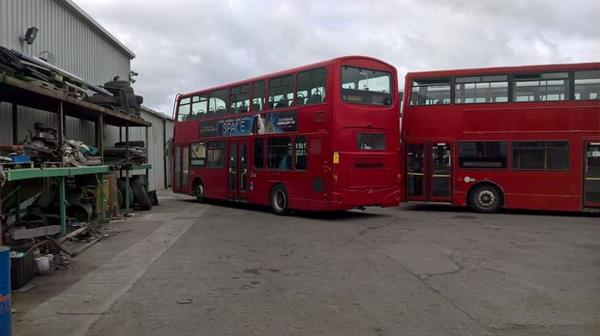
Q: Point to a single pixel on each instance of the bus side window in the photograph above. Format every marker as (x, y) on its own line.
(435, 91)
(481, 89)
(240, 99)
(217, 103)
(310, 86)
(281, 94)
(199, 107)
(300, 153)
(587, 85)
(279, 153)
(551, 86)
(183, 112)
(258, 96)
(259, 151)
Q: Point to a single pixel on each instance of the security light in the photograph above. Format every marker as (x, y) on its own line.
(30, 35)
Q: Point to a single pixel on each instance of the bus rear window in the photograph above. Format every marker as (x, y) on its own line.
(365, 86)
(370, 141)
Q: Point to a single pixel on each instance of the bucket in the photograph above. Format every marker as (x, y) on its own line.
(5, 300)
(43, 265)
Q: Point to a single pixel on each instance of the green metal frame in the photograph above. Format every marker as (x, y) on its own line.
(62, 174)
(146, 167)
(31, 173)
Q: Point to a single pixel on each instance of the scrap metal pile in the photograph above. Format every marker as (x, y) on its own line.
(42, 148)
(119, 154)
(117, 94)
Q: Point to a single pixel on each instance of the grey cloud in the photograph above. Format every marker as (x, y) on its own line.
(183, 46)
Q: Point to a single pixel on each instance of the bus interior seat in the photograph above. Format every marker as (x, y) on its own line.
(283, 102)
(285, 162)
(316, 98)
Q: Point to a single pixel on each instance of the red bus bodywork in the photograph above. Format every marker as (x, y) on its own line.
(445, 141)
(337, 174)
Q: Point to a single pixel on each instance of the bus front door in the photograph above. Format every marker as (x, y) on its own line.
(440, 168)
(181, 169)
(415, 172)
(237, 173)
(591, 182)
(429, 172)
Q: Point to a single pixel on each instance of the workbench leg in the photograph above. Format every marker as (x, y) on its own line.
(62, 205)
(146, 182)
(127, 191)
(18, 203)
(102, 199)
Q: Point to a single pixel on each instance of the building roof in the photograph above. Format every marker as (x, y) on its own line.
(85, 17)
(156, 113)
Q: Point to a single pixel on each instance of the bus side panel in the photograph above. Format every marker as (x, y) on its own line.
(215, 182)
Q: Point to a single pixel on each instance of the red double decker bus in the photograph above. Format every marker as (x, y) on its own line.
(516, 137)
(318, 137)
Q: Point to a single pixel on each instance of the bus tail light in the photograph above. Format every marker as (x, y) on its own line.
(336, 158)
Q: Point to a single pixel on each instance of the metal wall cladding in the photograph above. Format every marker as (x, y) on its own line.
(80, 49)
(76, 45)
(159, 156)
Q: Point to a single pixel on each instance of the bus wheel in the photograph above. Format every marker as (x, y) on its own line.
(279, 200)
(486, 198)
(198, 191)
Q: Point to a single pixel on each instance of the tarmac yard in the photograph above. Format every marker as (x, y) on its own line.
(221, 269)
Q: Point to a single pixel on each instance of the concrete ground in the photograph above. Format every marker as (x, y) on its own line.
(220, 269)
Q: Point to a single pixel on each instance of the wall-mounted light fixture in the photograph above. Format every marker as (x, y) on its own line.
(29, 36)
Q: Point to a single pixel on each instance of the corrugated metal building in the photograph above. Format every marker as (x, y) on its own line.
(70, 39)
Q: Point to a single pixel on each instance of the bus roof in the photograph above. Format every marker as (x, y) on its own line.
(282, 72)
(507, 69)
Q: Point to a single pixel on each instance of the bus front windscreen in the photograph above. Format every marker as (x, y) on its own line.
(366, 86)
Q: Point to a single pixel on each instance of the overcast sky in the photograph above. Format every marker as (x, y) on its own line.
(183, 46)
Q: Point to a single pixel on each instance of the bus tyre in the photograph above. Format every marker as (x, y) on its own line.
(279, 200)
(198, 191)
(486, 199)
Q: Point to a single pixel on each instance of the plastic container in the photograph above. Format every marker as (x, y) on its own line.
(22, 267)
(5, 299)
(42, 264)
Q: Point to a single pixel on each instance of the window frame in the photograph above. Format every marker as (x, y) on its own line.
(293, 92)
(253, 96)
(210, 96)
(205, 158)
(295, 153)
(573, 85)
(568, 156)
(291, 142)
(180, 104)
(358, 142)
(341, 87)
(567, 85)
(224, 152)
(481, 76)
(248, 92)
(324, 94)
(263, 156)
(507, 158)
(451, 91)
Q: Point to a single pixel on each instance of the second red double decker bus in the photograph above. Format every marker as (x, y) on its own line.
(319, 137)
(523, 137)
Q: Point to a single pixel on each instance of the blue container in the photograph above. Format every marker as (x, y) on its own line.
(5, 300)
